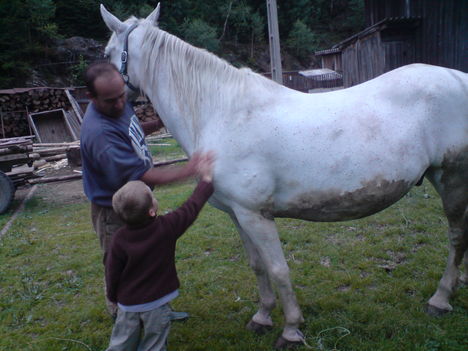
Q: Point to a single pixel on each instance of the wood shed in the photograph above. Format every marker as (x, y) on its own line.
(401, 32)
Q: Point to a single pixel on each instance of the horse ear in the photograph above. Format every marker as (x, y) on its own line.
(112, 22)
(154, 16)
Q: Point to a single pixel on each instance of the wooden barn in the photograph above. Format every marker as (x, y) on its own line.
(401, 32)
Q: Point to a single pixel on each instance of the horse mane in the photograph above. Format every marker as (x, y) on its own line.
(194, 73)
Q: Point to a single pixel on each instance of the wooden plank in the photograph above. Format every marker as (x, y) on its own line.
(75, 106)
(54, 150)
(73, 122)
(16, 138)
(70, 129)
(12, 143)
(71, 144)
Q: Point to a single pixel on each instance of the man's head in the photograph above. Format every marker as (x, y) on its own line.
(134, 203)
(106, 88)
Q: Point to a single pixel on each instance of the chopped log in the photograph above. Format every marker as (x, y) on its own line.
(74, 157)
(15, 149)
(19, 157)
(39, 163)
(55, 157)
(54, 179)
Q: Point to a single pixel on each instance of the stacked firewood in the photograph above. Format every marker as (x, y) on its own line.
(145, 112)
(35, 100)
(14, 124)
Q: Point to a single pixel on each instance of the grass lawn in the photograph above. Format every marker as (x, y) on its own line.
(362, 285)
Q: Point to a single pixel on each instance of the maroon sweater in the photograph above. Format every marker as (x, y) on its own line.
(140, 266)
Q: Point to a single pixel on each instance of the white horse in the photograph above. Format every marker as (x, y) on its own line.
(321, 157)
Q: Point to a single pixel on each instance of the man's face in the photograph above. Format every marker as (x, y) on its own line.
(110, 95)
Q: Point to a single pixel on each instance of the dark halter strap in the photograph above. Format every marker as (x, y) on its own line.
(124, 59)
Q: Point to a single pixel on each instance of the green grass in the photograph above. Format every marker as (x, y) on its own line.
(362, 285)
(167, 149)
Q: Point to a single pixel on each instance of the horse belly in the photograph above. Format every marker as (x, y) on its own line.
(334, 205)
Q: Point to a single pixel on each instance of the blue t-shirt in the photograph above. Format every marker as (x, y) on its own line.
(113, 152)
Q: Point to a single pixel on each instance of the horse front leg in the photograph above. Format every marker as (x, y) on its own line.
(263, 235)
(261, 321)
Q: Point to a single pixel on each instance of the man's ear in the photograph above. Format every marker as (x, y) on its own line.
(152, 212)
(91, 96)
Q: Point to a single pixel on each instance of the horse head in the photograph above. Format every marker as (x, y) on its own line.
(122, 52)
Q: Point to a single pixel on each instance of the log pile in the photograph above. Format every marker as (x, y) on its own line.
(16, 152)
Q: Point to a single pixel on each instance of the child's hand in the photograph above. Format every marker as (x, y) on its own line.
(205, 166)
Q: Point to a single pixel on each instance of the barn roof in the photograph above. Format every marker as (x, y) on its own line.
(25, 90)
(389, 22)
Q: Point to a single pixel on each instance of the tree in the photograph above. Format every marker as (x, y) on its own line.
(200, 34)
(301, 40)
(25, 32)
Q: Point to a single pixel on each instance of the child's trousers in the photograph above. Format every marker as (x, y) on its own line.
(141, 331)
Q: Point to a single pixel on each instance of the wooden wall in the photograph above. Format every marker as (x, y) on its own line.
(363, 60)
(443, 36)
(332, 61)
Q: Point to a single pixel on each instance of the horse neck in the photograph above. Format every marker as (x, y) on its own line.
(190, 87)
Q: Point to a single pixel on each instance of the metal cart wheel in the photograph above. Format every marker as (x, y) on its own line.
(7, 192)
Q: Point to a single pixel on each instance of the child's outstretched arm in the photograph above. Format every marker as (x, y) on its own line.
(186, 214)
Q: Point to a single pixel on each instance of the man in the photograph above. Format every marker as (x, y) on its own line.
(114, 151)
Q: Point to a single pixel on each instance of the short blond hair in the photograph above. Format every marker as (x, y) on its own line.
(133, 201)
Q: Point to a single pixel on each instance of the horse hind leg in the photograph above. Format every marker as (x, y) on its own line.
(454, 193)
(464, 277)
(261, 322)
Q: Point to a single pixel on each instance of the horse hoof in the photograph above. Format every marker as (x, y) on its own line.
(435, 311)
(284, 344)
(258, 328)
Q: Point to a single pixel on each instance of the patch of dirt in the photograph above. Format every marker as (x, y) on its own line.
(59, 192)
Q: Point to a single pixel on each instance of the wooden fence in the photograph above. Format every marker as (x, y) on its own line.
(296, 81)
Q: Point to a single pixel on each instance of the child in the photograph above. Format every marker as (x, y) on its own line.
(140, 268)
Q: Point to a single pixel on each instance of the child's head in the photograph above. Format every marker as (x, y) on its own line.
(134, 203)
